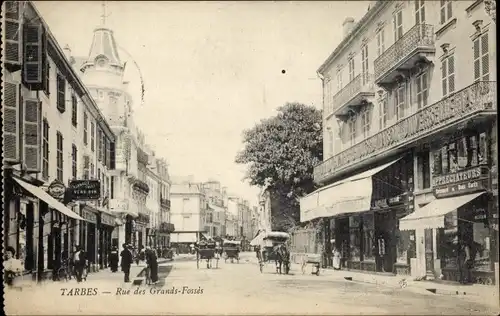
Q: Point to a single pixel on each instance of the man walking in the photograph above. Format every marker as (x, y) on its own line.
(79, 263)
(126, 262)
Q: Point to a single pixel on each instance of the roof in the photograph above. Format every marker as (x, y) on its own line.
(192, 188)
(350, 37)
(104, 44)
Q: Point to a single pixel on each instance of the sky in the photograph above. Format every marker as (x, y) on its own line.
(210, 69)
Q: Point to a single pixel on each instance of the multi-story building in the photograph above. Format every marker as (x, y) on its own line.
(165, 227)
(102, 72)
(188, 211)
(232, 218)
(410, 128)
(216, 210)
(46, 145)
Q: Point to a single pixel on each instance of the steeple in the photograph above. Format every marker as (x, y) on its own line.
(103, 51)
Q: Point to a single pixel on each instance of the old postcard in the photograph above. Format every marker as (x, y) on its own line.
(258, 157)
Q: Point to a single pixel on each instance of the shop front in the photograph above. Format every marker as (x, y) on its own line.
(106, 223)
(361, 215)
(89, 235)
(37, 226)
(139, 235)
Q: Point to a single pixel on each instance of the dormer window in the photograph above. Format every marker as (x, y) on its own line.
(101, 62)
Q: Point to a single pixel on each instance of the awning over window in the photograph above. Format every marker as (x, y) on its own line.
(351, 195)
(42, 195)
(432, 215)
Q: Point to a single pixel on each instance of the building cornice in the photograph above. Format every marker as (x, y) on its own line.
(360, 26)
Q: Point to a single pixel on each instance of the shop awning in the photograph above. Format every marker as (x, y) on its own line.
(183, 238)
(53, 203)
(432, 215)
(351, 195)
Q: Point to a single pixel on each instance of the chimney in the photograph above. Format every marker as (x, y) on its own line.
(347, 26)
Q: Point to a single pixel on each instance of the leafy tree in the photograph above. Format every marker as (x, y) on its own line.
(280, 153)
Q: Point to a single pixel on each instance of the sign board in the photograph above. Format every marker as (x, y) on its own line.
(461, 188)
(56, 189)
(107, 219)
(85, 189)
(392, 201)
(89, 215)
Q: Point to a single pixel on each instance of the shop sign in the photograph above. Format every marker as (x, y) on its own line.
(461, 188)
(461, 176)
(392, 201)
(89, 215)
(56, 189)
(107, 219)
(143, 218)
(85, 189)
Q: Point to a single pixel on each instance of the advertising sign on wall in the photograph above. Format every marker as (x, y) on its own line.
(85, 189)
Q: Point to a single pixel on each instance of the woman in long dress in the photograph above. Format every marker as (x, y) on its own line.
(336, 258)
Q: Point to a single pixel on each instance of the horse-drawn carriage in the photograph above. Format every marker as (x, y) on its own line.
(273, 248)
(231, 250)
(207, 250)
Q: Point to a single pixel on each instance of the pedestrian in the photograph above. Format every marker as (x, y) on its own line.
(12, 266)
(79, 262)
(152, 262)
(113, 260)
(126, 261)
(463, 261)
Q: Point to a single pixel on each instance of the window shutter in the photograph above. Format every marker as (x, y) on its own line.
(485, 57)
(112, 160)
(11, 122)
(33, 56)
(451, 74)
(31, 132)
(12, 26)
(61, 93)
(86, 163)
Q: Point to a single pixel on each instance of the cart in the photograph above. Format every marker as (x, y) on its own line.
(314, 260)
(206, 251)
(231, 250)
(271, 242)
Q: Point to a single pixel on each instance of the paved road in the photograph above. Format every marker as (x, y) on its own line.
(238, 289)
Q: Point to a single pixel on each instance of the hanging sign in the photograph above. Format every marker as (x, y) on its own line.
(56, 189)
(85, 189)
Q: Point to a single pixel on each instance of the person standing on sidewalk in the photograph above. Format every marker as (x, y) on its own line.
(463, 257)
(79, 263)
(126, 262)
(113, 260)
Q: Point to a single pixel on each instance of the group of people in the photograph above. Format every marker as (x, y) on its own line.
(144, 254)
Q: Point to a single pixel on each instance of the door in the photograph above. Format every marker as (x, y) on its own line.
(429, 252)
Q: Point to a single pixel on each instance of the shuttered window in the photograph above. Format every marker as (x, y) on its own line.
(364, 64)
(74, 110)
(352, 130)
(448, 75)
(86, 167)
(481, 58)
(92, 171)
(61, 93)
(400, 101)
(419, 11)
(100, 145)
(11, 122)
(422, 90)
(85, 128)
(74, 155)
(365, 121)
(351, 69)
(31, 132)
(60, 157)
(383, 113)
(92, 136)
(397, 22)
(45, 150)
(380, 42)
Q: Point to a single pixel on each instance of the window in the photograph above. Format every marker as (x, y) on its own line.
(365, 121)
(355, 238)
(423, 170)
(351, 69)
(74, 110)
(73, 160)
(330, 143)
(380, 42)
(422, 90)
(419, 12)
(61, 93)
(339, 81)
(368, 237)
(398, 25)
(481, 58)
(400, 101)
(47, 78)
(100, 145)
(45, 149)
(60, 158)
(384, 109)
(85, 128)
(92, 174)
(92, 136)
(364, 64)
(352, 131)
(86, 166)
(448, 75)
(112, 187)
(446, 11)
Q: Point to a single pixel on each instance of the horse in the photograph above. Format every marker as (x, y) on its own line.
(282, 258)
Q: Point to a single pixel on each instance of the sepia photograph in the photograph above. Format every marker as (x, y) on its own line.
(250, 157)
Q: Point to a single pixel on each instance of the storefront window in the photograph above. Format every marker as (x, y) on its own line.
(368, 237)
(355, 238)
(480, 245)
(405, 242)
(448, 237)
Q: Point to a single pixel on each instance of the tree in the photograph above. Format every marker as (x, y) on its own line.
(281, 152)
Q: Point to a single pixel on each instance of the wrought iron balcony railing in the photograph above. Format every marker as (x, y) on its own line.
(353, 93)
(478, 97)
(419, 37)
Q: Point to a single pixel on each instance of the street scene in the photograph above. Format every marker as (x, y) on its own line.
(250, 157)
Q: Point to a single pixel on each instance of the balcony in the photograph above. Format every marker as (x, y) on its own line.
(415, 46)
(166, 228)
(469, 105)
(165, 203)
(357, 93)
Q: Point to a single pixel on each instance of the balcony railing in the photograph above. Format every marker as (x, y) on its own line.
(353, 93)
(478, 97)
(418, 38)
(165, 203)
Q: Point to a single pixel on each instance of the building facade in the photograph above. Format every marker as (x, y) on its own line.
(45, 148)
(216, 211)
(165, 225)
(410, 140)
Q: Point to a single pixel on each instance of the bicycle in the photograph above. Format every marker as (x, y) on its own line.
(64, 272)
